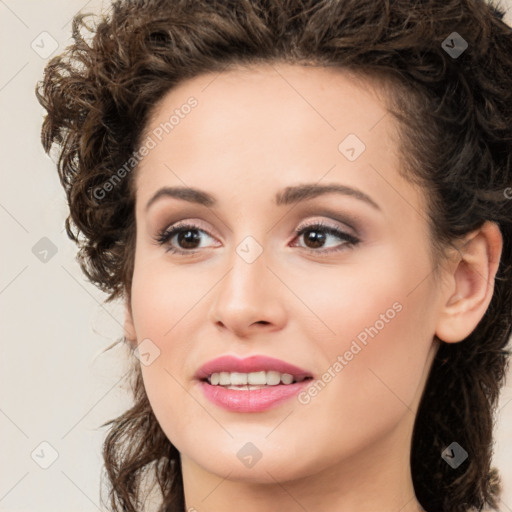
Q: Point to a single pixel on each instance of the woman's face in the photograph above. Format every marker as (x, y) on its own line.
(355, 311)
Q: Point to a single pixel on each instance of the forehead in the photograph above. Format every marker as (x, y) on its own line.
(270, 126)
(272, 96)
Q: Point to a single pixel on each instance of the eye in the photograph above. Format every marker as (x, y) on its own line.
(318, 233)
(189, 240)
(186, 235)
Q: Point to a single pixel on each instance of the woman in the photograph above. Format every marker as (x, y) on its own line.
(306, 208)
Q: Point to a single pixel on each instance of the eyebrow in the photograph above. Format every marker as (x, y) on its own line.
(289, 195)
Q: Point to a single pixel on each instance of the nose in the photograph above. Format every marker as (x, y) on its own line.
(249, 299)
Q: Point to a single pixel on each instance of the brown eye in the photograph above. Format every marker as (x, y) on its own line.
(187, 238)
(316, 235)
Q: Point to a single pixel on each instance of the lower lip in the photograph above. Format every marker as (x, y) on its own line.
(253, 400)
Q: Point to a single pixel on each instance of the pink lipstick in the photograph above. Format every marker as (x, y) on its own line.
(253, 384)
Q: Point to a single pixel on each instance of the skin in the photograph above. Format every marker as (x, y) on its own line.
(254, 132)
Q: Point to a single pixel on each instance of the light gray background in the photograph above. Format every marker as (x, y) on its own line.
(56, 385)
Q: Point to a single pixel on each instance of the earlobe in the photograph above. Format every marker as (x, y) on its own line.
(471, 283)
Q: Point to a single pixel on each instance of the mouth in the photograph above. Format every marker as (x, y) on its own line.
(253, 384)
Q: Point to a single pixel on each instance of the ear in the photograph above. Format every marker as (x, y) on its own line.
(470, 283)
(129, 328)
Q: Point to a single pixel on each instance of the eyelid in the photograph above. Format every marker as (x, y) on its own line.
(314, 221)
(346, 228)
(191, 223)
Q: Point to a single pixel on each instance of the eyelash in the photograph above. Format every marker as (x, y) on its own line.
(164, 236)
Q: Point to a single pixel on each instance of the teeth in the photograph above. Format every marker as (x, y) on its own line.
(224, 379)
(238, 379)
(249, 380)
(256, 378)
(274, 378)
(286, 378)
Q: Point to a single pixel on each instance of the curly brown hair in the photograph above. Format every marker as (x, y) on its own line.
(455, 119)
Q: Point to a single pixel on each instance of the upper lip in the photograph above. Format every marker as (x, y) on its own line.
(249, 364)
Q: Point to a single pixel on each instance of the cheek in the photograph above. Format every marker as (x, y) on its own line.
(383, 317)
(372, 379)
(169, 308)
(162, 297)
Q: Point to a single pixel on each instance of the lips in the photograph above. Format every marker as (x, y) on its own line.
(249, 398)
(248, 365)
